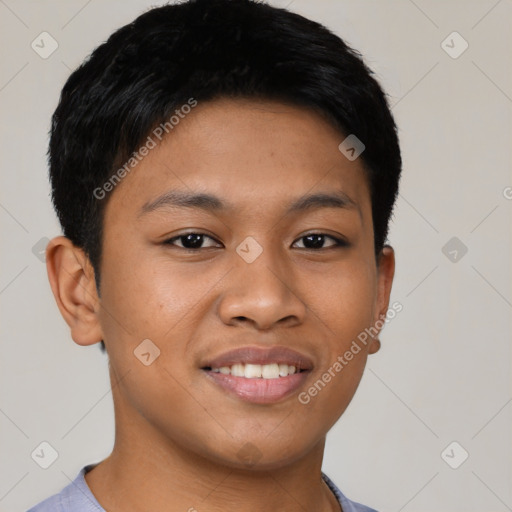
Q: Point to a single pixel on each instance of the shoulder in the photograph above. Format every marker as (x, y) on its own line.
(53, 503)
(346, 504)
(75, 497)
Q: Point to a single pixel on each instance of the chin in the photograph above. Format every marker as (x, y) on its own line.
(260, 455)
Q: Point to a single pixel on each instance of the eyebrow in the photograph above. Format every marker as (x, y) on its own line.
(212, 203)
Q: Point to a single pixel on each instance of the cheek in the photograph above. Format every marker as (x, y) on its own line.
(151, 298)
(345, 301)
(144, 296)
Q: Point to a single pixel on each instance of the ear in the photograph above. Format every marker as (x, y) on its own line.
(385, 275)
(71, 277)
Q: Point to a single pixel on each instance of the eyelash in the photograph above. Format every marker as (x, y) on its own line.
(338, 242)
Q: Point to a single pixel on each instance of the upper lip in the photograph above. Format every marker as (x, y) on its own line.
(260, 355)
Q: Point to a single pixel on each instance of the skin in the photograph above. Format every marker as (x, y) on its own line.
(178, 436)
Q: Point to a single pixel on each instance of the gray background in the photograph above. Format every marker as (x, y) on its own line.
(444, 371)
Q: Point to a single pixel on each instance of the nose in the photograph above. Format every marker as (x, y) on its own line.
(261, 294)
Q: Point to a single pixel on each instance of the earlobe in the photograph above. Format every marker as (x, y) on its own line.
(72, 281)
(374, 346)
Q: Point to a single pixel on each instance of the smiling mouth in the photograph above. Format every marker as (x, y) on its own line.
(262, 384)
(257, 371)
(260, 375)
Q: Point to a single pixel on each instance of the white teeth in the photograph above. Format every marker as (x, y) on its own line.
(255, 371)
(270, 371)
(238, 370)
(252, 371)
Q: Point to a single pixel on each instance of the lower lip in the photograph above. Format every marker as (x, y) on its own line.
(258, 390)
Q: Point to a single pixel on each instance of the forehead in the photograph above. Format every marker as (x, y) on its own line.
(253, 155)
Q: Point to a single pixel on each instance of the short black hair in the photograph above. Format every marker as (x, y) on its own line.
(204, 50)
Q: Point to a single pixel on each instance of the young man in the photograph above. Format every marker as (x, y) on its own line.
(224, 173)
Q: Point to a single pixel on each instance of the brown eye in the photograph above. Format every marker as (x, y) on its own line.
(190, 241)
(315, 241)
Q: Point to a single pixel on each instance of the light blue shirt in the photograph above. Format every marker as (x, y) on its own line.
(77, 497)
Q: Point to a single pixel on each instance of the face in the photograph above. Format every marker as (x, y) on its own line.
(256, 264)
